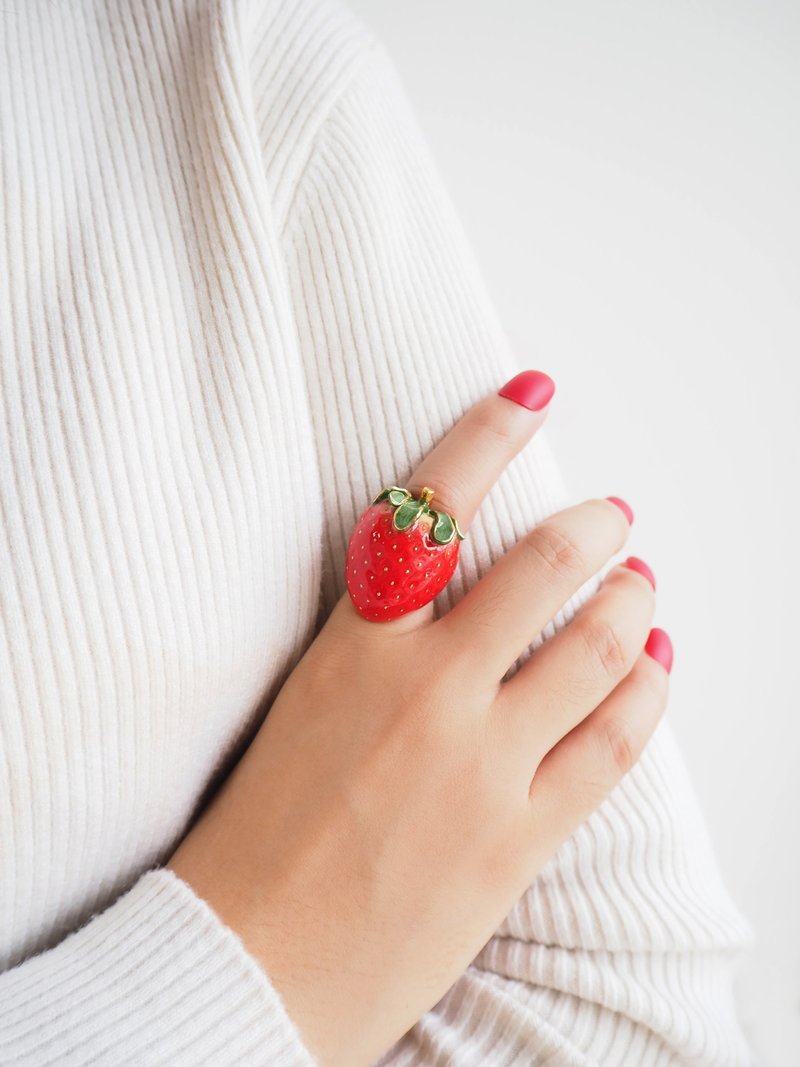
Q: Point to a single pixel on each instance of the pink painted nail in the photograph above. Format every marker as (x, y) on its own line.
(659, 647)
(624, 508)
(639, 565)
(531, 388)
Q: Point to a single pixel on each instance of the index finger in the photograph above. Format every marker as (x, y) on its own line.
(467, 462)
(456, 476)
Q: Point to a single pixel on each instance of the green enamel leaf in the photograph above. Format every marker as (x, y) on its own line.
(397, 496)
(407, 514)
(389, 492)
(459, 534)
(444, 528)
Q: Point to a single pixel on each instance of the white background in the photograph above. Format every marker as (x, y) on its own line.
(629, 175)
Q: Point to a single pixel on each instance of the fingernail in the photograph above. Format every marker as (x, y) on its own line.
(531, 388)
(624, 508)
(659, 646)
(639, 565)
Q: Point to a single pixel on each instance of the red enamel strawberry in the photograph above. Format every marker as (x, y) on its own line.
(401, 554)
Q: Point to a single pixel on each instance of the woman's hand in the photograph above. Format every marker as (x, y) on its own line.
(400, 796)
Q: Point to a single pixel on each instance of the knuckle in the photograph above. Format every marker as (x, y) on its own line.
(560, 554)
(489, 429)
(605, 647)
(620, 746)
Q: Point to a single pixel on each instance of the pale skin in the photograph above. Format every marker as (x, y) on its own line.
(400, 796)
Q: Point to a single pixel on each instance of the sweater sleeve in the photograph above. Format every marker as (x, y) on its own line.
(625, 948)
(154, 979)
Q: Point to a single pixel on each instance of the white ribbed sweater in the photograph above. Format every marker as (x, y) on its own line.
(237, 303)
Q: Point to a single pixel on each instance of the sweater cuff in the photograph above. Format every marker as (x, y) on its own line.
(156, 978)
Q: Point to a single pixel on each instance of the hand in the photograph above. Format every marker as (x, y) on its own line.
(401, 795)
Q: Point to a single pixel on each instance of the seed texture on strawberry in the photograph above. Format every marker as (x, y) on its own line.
(401, 554)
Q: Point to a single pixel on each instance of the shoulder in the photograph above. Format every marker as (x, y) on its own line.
(300, 58)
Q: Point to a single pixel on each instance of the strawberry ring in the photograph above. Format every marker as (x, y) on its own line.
(401, 553)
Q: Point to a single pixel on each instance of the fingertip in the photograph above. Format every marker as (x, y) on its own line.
(624, 507)
(635, 564)
(659, 647)
(532, 389)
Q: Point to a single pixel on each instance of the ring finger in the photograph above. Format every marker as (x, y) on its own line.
(582, 769)
(575, 670)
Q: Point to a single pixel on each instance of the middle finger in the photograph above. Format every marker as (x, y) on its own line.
(502, 614)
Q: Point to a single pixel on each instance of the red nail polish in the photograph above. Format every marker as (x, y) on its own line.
(639, 565)
(624, 508)
(659, 647)
(531, 388)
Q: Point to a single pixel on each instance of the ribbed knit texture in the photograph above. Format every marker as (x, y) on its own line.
(154, 979)
(236, 303)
